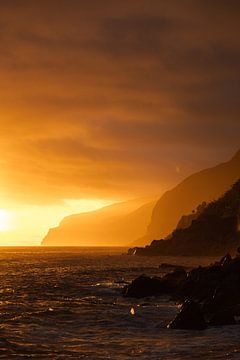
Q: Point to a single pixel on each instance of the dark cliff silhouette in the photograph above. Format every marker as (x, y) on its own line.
(114, 225)
(120, 224)
(206, 185)
(215, 231)
(186, 220)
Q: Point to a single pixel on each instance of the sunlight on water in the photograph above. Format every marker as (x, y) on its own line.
(65, 303)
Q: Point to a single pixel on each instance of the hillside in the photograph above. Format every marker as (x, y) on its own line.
(214, 232)
(114, 225)
(205, 185)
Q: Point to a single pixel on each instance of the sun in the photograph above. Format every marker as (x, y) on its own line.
(5, 220)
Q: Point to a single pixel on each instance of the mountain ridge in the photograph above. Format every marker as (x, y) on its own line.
(112, 225)
(215, 231)
(204, 185)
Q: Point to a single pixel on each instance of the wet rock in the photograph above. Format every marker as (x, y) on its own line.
(201, 283)
(233, 266)
(166, 266)
(227, 293)
(222, 317)
(209, 293)
(174, 280)
(143, 286)
(189, 317)
(225, 260)
(154, 286)
(132, 251)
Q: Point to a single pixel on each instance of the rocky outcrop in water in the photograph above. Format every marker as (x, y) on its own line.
(189, 317)
(214, 232)
(144, 286)
(210, 295)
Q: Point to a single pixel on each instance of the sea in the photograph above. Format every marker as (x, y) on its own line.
(66, 303)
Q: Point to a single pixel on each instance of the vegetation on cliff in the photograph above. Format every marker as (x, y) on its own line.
(214, 232)
(205, 185)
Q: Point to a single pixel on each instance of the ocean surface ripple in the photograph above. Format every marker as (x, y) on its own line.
(66, 303)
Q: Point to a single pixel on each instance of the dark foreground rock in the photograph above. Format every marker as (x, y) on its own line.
(211, 294)
(189, 317)
(167, 266)
(222, 317)
(144, 286)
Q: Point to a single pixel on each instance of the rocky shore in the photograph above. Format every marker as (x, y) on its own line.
(210, 296)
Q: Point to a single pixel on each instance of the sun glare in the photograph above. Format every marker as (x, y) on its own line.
(5, 220)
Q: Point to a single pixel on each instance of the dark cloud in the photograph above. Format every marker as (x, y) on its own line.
(109, 97)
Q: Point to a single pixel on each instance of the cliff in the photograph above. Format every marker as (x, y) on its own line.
(205, 185)
(114, 225)
(186, 220)
(214, 232)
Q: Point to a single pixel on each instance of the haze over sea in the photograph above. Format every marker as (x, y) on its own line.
(66, 303)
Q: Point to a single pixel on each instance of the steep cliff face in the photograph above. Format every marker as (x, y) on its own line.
(215, 231)
(114, 225)
(205, 185)
(186, 220)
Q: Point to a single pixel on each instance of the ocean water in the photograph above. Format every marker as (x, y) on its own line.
(66, 303)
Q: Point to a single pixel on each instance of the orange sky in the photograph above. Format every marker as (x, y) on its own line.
(109, 100)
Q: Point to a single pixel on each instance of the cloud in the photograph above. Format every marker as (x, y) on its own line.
(106, 98)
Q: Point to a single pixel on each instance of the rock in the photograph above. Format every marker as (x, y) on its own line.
(165, 266)
(222, 317)
(132, 251)
(189, 317)
(201, 283)
(233, 266)
(143, 286)
(174, 280)
(225, 260)
(227, 293)
(154, 286)
(209, 294)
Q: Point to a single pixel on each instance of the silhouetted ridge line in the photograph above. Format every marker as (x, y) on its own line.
(205, 185)
(113, 225)
(215, 231)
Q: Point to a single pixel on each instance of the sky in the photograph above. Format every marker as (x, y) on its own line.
(103, 101)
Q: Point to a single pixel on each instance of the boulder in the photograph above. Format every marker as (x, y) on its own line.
(210, 295)
(189, 317)
(227, 293)
(232, 266)
(167, 266)
(201, 283)
(174, 280)
(226, 260)
(222, 317)
(143, 286)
